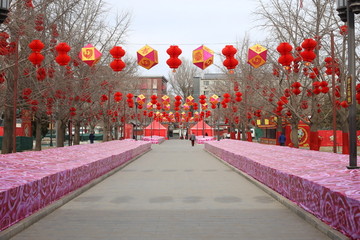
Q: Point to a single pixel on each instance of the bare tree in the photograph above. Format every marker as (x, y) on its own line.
(182, 80)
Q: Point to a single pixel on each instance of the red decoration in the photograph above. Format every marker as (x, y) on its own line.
(117, 96)
(39, 22)
(153, 99)
(344, 104)
(230, 62)
(296, 88)
(286, 57)
(344, 30)
(174, 62)
(62, 58)
(41, 74)
(117, 64)
(36, 57)
(308, 54)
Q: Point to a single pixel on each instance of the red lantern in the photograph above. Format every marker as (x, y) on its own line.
(36, 58)
(308, 54)
(62, 58)
(286, 57)
(117, 52)
(230, 62)
(174, 62)
(117, 64)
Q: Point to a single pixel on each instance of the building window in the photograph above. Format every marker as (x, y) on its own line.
(206, 83)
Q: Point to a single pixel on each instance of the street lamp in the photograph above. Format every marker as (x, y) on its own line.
(346, 10)
(4, 9)
(218, 123)
(136, 117)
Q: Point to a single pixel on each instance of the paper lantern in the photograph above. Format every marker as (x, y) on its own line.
(257, 55)
(230, 62)
(214, 99)
(174, 62)
(147, 57)
(190, 100)
(186, 107)
(149, 105)
(90, 55)
(165, 99)
(140, 99)
(203, 57)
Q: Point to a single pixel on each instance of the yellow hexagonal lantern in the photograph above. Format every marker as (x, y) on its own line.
(203, 57)
(147, 57)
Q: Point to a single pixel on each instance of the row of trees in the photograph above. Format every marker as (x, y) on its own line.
(301, 90)
(54, 92)
(84, 94)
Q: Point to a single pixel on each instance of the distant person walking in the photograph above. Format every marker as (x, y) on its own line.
(92, 137)
(282, 139)
(192, 139)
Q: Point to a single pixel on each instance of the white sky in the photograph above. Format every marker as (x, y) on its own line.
(188, 24)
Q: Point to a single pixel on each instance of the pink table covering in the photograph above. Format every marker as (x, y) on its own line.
(319, 182)
(154, 139)
(30, 181)
(202, 140)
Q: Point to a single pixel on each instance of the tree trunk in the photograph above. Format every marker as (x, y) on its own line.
(345, 138)
(60, 133)
(106, 133)
(38, 135)
(7, 142)
(314, 137)
(294, 134)
(116, 128)
(76, 132)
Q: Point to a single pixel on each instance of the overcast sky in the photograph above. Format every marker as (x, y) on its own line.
(188, 24)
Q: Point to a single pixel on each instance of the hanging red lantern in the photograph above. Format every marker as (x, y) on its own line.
(63, 58)
(117, 64)
(174, 52)
(41, 74)
(286, 57)
(117, 52)
(36, 57)
(230, 62)
(153, 99)
(36, 45)
(344, 30)
(308, 54)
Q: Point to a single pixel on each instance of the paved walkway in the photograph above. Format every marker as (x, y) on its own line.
(174, 192)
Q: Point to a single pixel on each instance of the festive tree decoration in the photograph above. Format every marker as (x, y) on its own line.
(257, 55)
(190, 100)
(36, 57)
(147, 57)
(140, 99)
(174, 62)
(214, 99)
(149, 106)
(117, 64)
(186, 107)
(286, 57)
(165, 100)
(90, 55)
(63, 58)
(117, 96)
(203, 57)
(230, 62)
(308, 54)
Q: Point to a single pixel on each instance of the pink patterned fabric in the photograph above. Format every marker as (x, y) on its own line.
(30, 181)
(202, 140)
(154, 139)
(319, 182)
